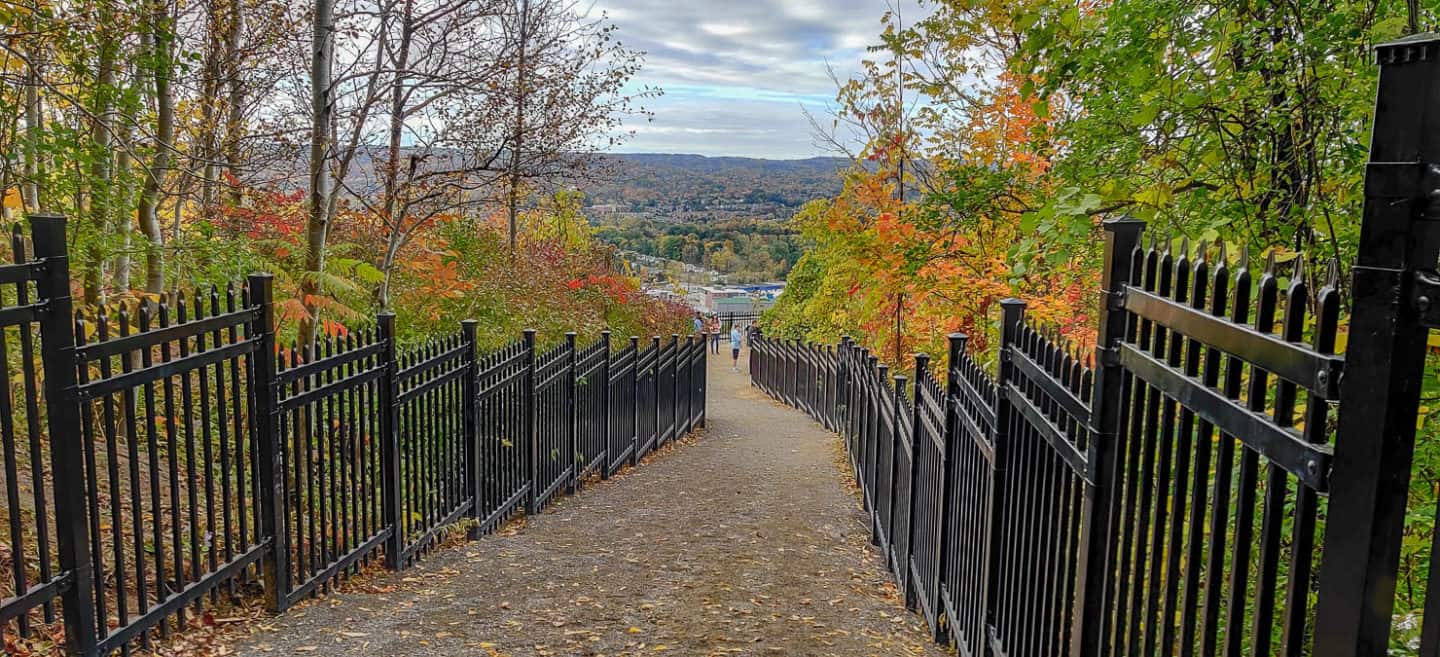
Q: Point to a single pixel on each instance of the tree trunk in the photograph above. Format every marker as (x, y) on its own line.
(209, 111)
(159, 170)
(234, 104)
(102, 170)
(393, 209)
(387, 266)
(120, 271)
(513, 205)
(30, 189)
(318, 221)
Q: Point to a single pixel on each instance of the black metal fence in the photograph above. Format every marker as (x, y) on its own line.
(742, 321)
(1202, 483)
(160, 456)
(990, 496)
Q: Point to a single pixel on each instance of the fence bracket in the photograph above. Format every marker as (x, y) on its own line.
(1114, 300)
(1425, 297)
(1401, 180)
(1107, 355)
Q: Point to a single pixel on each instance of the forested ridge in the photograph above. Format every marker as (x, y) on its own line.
(670, 185)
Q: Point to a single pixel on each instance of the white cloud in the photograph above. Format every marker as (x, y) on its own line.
(725, 29)
(737, 72)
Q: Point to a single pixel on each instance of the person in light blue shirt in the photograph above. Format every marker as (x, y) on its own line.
(699, 327)
(735, 348)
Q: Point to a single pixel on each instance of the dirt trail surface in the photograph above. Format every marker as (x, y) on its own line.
(744, 540)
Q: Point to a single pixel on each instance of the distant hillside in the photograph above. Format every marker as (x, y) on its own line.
(658, 186)
(699, 188)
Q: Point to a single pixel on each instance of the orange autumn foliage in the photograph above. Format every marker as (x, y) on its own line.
(941, 261)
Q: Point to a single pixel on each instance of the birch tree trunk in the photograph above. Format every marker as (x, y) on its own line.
(318, 221)
(30, 190)
(102, 171)
(393, 209)
(513, 204)
(159, 170)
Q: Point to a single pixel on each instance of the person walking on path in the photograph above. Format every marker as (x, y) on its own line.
(699, 326)
(734, 348)
(715, 334)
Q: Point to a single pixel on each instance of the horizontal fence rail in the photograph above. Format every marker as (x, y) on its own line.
(166, 455)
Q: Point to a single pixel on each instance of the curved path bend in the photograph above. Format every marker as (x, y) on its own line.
(743, 540)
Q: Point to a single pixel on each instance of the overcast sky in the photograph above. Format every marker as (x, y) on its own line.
(737, 72)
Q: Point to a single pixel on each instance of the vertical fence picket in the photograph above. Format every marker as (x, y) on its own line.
(702, 369)
(882, 445)
(607, 403)
(572, 416)
(636, 407)
(390, 482)
(469, 393)
(532, 442)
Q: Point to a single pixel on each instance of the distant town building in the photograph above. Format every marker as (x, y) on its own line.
(722, 300)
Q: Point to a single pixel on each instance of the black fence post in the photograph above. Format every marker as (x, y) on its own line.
(532, 446)
(842, 397)
(635, 407)
(759, 361)
(390, 489)
(1385, 359)
(782, 348)
(269, 453)
(690, 384)
(607, 426)
(675, 388)
(682, 385)
(57, 352)
(659, 428)
(572, 417)
(1012, 314)
(956, 343)
(469, 397)
(1093, 599)
(869, 428)
(832, 386)
(922, 364)
(899, 381)
(702, 386)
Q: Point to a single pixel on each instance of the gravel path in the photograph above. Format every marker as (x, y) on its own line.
(745, 540)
